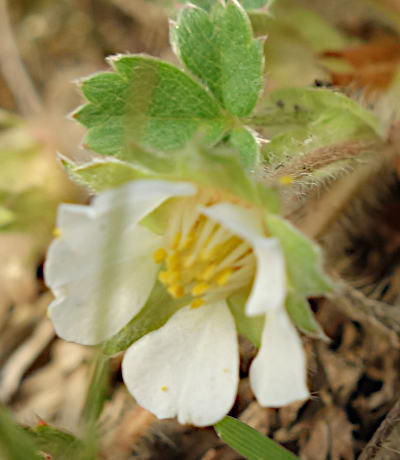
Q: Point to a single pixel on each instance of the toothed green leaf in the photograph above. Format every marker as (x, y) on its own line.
(146, 103)
(219, 48)
(246, 145)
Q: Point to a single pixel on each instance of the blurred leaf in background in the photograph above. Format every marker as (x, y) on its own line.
(32, 185)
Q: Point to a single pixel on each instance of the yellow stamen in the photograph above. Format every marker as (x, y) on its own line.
(223, 277)
(197, 303)
(177, 291)
(164, 388)
(188, 262)
(159, 255)
(200, 288)
(56, 232)
(169, 277)
(173, 261)
(176, 239)
(188, 242)
(208, 272)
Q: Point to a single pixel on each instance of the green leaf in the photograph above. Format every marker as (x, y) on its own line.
(255, 4)
(245, 143)
(219, 48)
(303, 258)
(247, 4)
(148, 104)
(15, 444)
(59, 444)
(249, 442)
(249, 327)
(301, 314)
(301, 120)
(159, 307)
(296, 107)
(204, 4)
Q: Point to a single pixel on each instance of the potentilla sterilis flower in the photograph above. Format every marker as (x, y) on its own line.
(213, 245)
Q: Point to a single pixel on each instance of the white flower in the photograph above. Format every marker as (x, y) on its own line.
(214, 245)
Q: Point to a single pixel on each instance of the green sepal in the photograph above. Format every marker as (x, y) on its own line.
(269, 198)
(250, 327)
(217, 167)
(146, 103)
(218, 47)
(249, 442)
(302, 256)
(301, 314)
(160, 306)
(99, 175)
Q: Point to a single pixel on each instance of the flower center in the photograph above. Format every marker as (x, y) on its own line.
(202, 258)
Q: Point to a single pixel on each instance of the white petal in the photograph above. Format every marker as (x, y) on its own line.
(278, 372)
(189, 367)
(141, 196)
(93, 302)
(115, 209)
(269, 286)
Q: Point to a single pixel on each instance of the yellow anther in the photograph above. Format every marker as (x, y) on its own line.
(197, 303)
(187, 243)
(188, 261)
(164, 388)
(200, 288)
(173, 261)
(176, 239)
(169, 277)
(285, 180)
(163, 277)
(159, 255)
(56, 232)
(208, 272)
(177, 291)
(223, 277)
